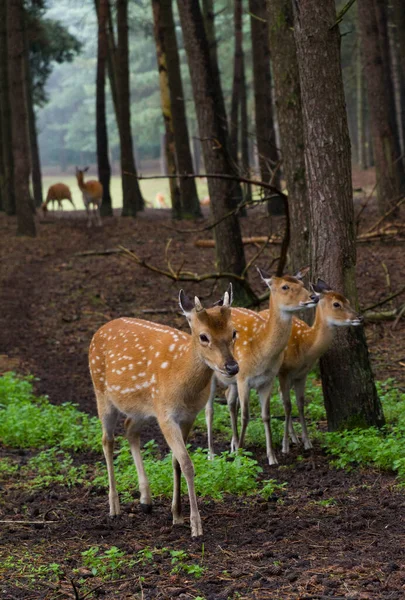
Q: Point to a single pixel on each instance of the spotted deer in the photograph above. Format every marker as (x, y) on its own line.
(56, 193)
(259, 348)
(305, 346)
(92, 192)
(143, 370)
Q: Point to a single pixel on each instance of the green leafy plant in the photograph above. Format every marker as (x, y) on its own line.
(179, 559)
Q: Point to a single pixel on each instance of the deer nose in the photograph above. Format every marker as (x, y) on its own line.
(232, 367)
(314, 298)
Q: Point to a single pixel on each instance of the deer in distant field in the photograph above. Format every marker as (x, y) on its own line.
(259, 349)
(56, 193)
(160, 199)
(92, 194)
(144, 370)
(305, 346)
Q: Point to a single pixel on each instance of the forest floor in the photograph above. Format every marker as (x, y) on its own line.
(53, 299)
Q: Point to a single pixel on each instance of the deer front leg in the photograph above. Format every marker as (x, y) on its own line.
(108, 421)
(133, 435)
(264, 398)
(285, 386)
(175, 437)
(299, 387)
(232, 401)
(243, 391)
(209, 413)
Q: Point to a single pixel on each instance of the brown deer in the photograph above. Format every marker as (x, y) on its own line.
(143, 370)
(92, 195)
(305, 346)
(259, 349)
(56, 193)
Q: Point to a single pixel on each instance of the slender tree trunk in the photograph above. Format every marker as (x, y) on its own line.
(19, 118)
(398, 7)
(398, 81)
(350, 395)
(389, 169)
(103, 161)
(5, 117)
(236, 83)
(165, 98)
(213, 131)
(289, 116)
(265, 132)
(169, 71)
(361, 158)
(132, 196)
(244, 133)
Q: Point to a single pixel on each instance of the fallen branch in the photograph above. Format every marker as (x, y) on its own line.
(99, 252)
(387, 315)
(258, 239)
(401, 313)
(387, 214)
(387, 299)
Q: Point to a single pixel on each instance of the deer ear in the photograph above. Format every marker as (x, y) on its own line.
(198, 306)
(320, 286)
(301, 273)
(186, 304)
(227, 298)
(264, 276)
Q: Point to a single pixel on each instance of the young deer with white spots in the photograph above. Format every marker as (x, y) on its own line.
(92, 192)
(305, 346)
(259, 351)
(144, 370)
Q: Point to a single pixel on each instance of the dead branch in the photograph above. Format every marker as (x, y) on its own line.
(387, 299)
(387, 214)
(158, 311)
(385, 315)
(258, 239)
(401, 313)
(98, 252)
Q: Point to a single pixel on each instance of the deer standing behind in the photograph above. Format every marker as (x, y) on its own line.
(92, 192)
(56, 193)
(144, 370)
(259, 351)
(305, 346)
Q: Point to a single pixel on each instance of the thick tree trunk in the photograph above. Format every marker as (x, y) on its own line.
(103, 161)
(2, 174)
(289, 116)
(214, 134)
(398, 81)
(132, 196)
(350, 395)
(5, 117)
(265, 132)
(389, 170)
(19, 118)
(165, 98)
(190, 205)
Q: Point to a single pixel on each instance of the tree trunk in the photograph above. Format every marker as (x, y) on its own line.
(398, 80)
(165, 98)
(398, 7)
(2, 174)
(236, 83)
(389, 170)
(5, 117)
(265, 132)
(244, 133)
(175, 106)
(19, 118)
(214, 134)
(361, 146)
(132, 196)
(350, 395)
(289, 116)
(103, 161)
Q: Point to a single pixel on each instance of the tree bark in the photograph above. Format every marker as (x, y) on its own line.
(19, 118)
(103, 161)
(289, 115)
(175, 105)
(5, 117)
(214, 134)
(244, 133)
(350, 395)
(389, 169)
(236, 82)
(265, 132)
(132, 196)
(361, 155)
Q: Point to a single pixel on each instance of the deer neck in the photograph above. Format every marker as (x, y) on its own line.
(322, 334)
(196, 370)
(276, 331)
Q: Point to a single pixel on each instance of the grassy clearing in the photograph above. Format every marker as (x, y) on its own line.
(149, 188)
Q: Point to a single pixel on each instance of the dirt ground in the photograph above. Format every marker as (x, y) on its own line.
(52, 301)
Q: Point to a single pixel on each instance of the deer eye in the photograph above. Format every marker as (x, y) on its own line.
(204, 338)
(234, 334)
(285, 287)
(336, 304)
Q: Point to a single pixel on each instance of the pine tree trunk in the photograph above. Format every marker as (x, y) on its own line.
(389, 170)
(32, 128)
(19, 118)
(214, 134)
(103, 161)
(265, 132)
(165, 98)
(289, 116)
(361, 158)
(236, 82)
(398, 7)
(244, 133)
(132, 196)
(5, 117)
(398, 81)
(190, 205)
(350, 395)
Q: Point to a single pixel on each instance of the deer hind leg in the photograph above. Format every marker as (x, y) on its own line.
(175, 437)
(232, 401)
(133, 435)
(264, 398)
(243, 391)
(299, 386)
(108, 416)
(209, 414)
(285, 386)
